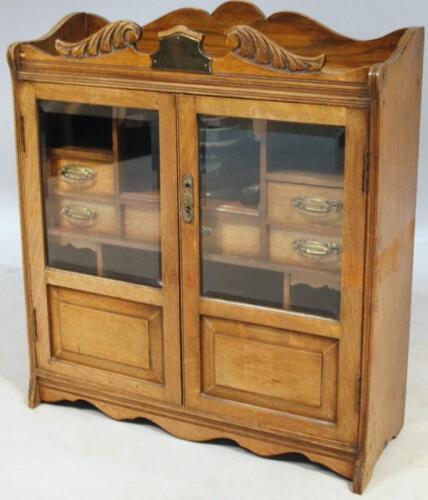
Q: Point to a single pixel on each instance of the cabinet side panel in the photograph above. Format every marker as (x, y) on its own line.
(396, 94)
(23, 92)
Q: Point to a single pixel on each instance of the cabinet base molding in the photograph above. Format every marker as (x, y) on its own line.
(191, 426)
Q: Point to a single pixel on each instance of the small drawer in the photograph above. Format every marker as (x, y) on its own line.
(305, 249)
(85, 215)
(300, 203)
(231, 234)
(142, 222)
(74, 171)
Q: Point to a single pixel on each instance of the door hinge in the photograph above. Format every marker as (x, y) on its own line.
(34, 325)
(357, 394)
(366, 172)
(22, 132)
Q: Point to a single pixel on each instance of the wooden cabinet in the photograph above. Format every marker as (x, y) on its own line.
(217, 218)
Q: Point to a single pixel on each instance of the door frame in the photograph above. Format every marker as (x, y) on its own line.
(346, 331)
(42, 277)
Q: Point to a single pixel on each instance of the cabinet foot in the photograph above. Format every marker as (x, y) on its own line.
(33, 393)
(362, 476)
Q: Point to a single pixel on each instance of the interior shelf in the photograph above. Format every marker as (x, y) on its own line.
(103, 239)
(298, 177)
(227, 206)
(269, 265)
(140, 197)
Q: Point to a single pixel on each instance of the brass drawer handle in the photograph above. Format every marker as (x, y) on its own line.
(317, 206)
(77, 175)
(78, 215)
(316, 249)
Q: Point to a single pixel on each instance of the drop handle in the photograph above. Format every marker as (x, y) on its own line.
(316, 249)
(317, 207)
(79, 215)
(187, 199)
(77, 175)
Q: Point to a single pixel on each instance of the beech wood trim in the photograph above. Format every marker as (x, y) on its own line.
(275, 318)
(246, 108)
(108, 96)
(103, 286)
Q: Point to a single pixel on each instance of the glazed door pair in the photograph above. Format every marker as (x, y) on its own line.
(259, 197)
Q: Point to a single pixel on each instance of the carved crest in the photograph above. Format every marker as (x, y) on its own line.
(252, 45)
(117, 35)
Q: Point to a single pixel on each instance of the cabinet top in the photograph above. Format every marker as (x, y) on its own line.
(235, 41)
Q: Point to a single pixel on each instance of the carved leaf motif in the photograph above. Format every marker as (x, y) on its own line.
(248, 43)
(117, 35)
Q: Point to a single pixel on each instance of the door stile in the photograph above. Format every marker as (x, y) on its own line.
(190, 253)
(170, 252)
(355, 203)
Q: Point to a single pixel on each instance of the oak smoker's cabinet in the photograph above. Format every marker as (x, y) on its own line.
(218, 217)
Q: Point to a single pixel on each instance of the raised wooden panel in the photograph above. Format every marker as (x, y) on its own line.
(106, 333)
(271, 368)
(275, 371)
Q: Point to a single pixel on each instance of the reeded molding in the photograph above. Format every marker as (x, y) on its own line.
(252, 45)
(116, 35)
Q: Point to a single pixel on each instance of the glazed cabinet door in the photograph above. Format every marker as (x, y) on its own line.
(272, 221)
(101, 227)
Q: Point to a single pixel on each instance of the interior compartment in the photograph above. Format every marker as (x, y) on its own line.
(229, 156)
(133, 265)
(138, 139)
(71, 258)
(242, 284)
(305, 148)
(323, 301)
(79, 125)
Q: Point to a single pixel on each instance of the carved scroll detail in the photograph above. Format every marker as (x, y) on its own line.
(117, 35)
(248, 43)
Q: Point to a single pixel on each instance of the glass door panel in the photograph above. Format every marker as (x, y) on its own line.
(102, 190)
(271, 207)
(272, 261)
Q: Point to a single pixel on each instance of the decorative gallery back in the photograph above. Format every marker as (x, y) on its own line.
(210, 230)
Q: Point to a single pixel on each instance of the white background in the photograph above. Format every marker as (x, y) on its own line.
(72, 453)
